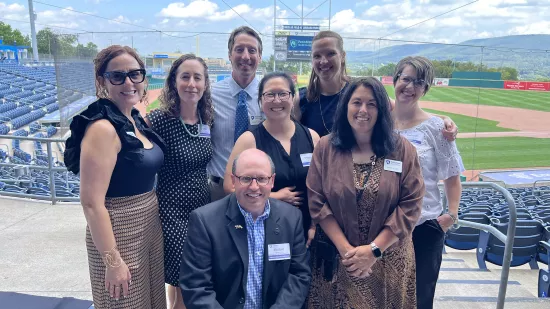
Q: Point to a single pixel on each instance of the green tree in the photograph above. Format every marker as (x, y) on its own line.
(10, 36)
(386, 70)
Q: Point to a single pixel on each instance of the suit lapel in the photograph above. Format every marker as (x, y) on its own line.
(273, 235)
(236, 227)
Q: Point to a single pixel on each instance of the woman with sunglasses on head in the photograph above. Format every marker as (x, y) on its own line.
(117, 157)
(439, 159)
(183, 121)
(287, 142)
(316, 105)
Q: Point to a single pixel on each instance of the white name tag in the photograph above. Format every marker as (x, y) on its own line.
(415, 137)
(393, 166)
(306, 159)
(205, 131)
(255, 120)
(277, 252)
(131, 134)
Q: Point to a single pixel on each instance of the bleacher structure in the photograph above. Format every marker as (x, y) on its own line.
(28, 94)
(532, 234)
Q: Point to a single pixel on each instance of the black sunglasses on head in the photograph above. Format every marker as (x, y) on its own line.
(118, 77)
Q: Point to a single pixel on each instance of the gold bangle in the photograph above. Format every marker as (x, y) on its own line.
(112, 258)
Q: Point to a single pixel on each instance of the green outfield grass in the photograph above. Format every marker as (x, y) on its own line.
(504, 152)
(156, 104)
(535, 100)
(468, 124)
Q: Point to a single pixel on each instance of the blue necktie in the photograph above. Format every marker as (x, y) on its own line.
(241, 115)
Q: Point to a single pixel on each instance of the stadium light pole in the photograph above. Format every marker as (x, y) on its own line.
(32, 16)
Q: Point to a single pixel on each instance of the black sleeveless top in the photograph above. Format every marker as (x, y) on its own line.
(289, 169)
(135, 177)
(136, 167)
(319, 115)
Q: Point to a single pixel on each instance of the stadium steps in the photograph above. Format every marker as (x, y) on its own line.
(462, 284)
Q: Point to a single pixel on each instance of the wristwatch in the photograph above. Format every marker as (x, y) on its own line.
(376, 251)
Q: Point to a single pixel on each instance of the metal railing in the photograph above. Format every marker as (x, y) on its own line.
(50, 168)
(507, 239)
(535, 184)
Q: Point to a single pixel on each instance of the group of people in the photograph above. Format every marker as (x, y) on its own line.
(251, 193)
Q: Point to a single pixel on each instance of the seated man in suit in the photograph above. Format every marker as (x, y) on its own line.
(246, 250)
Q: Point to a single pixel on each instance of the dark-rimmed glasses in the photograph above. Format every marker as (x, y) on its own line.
(247, 180)
(270, 96)
(417, 83)
(118, 77)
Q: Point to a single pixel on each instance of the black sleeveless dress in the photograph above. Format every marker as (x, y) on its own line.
(289, 169)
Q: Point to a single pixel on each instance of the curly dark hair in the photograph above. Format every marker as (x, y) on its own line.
(384, 139)
(170, 100)
(103, 58)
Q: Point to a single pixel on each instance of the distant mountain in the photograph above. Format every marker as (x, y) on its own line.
(512, 51)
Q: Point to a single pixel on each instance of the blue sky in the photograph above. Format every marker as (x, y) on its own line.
(359, 20)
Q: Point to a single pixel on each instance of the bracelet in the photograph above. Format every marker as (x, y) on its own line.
(112, 258)
(455, 219)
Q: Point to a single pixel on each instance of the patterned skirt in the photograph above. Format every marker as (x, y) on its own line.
(392, 284)
(138, 234)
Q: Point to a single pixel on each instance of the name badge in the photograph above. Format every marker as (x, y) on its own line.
(131, 134)
(306, 159)
(415, 137)
(277, 252)
(205, 131)
(393, 166)
(255, 120)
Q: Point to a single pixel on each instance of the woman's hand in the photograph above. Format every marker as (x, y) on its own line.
(451, 130)
(288, 195)
(117, 279)
(310, 235)
(358, 261)
(445, 221)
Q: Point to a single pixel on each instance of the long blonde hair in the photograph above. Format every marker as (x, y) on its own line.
(314, 86)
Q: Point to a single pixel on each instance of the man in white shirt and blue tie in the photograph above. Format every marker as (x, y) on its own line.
(235, 102)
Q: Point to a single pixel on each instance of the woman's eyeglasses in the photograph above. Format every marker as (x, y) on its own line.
(118, 77)
(270, 96)
(418, 83)
(247, 180)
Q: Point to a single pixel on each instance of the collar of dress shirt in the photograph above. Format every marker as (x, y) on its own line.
(264, 216)
(235, 88)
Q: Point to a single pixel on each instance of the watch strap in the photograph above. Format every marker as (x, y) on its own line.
(376, 251)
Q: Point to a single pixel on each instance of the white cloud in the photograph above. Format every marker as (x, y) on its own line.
(346, 22)
(230, 14)
(11, 8)
(197, 8)
(541, 27)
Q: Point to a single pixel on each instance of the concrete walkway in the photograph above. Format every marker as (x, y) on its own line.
(43, 265)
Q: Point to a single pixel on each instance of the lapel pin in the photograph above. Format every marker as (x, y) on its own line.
(277, 231)
(238, 226)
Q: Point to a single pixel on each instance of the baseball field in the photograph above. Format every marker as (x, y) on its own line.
(498, 129)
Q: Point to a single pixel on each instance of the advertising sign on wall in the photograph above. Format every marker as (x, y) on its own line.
(512, 84)
(538, 86)
(387, 80)
(517, 85)
(441, 82)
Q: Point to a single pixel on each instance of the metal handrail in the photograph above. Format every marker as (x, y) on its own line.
(50, 168)
(535, 183)
(507, 239)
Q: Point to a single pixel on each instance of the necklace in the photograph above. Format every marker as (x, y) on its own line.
(199, 127)
(365, 179)
(321, 110)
